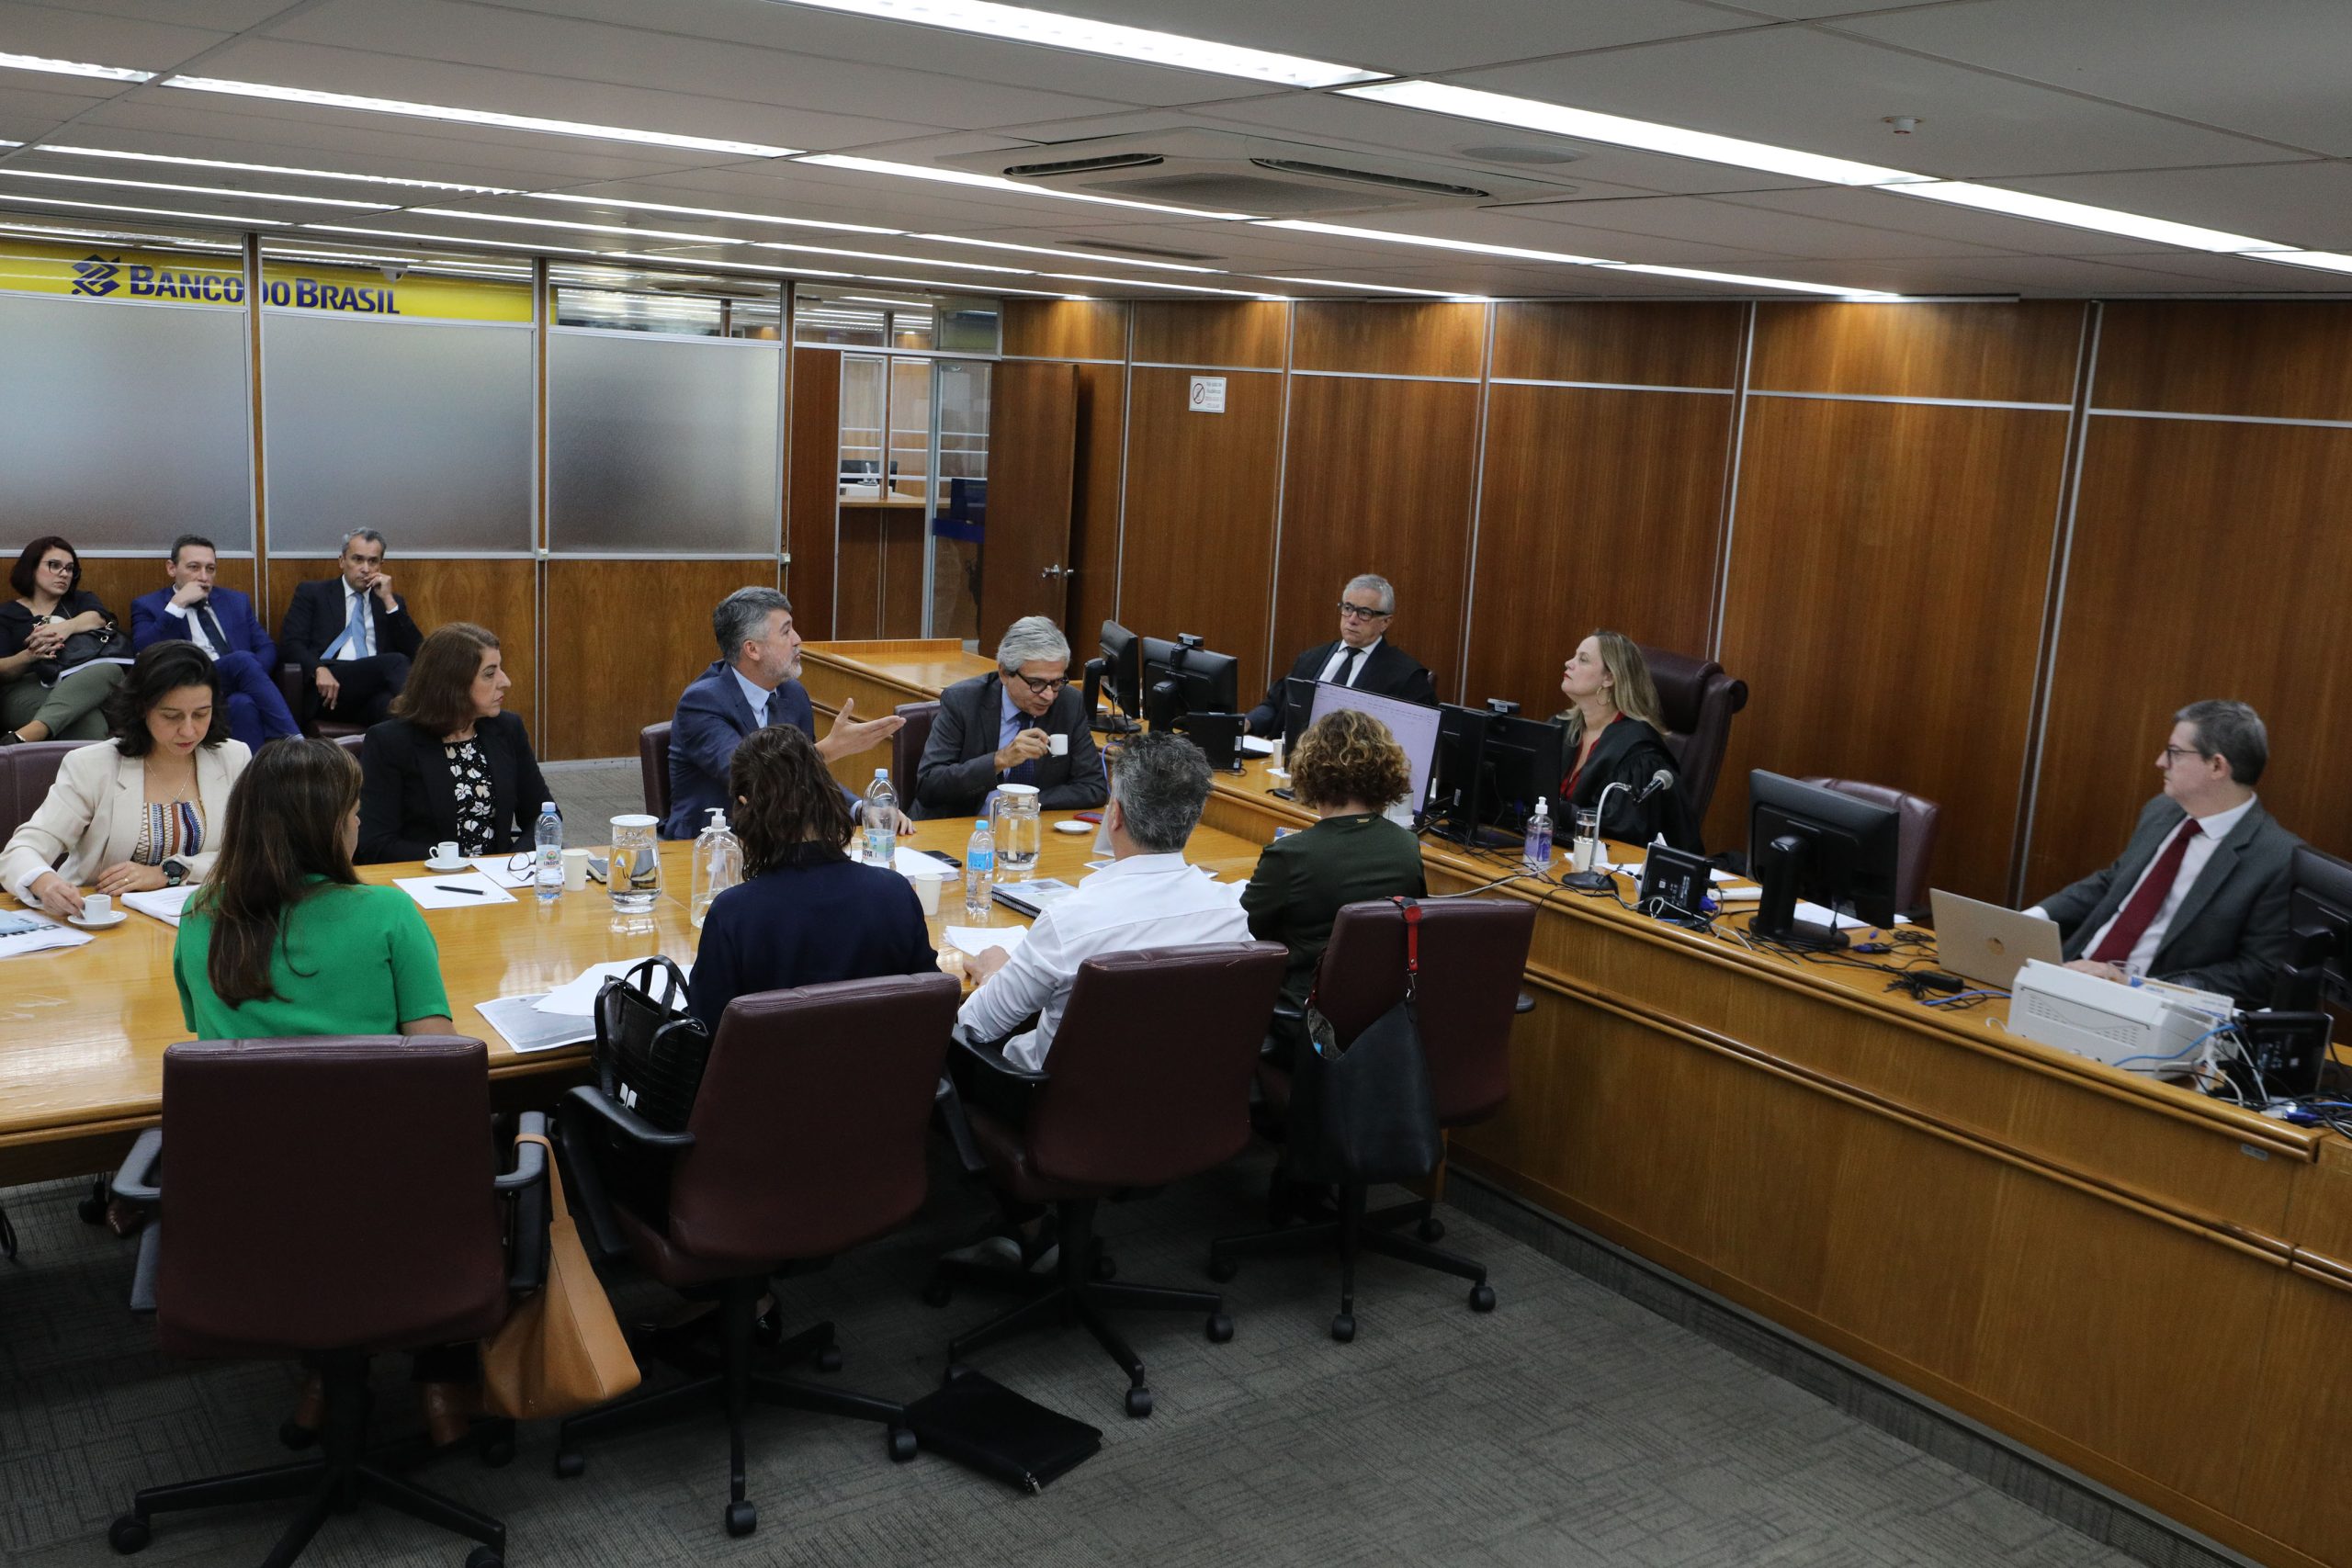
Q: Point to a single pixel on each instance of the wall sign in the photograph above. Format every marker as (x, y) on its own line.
(1208, 394)
(364, 291)
(122, 277)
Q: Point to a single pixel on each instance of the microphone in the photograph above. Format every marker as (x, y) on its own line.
(1662, 779)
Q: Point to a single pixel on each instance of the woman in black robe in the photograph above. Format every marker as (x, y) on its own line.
(1615, 735)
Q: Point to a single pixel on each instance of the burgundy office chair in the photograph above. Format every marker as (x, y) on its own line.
(1699, 700)
(334, 1198)
(807, 1138)
(27, 769)
(906, 747)
(1915, 847)
(653, 768)
(1473, 952)
(1148, 1082)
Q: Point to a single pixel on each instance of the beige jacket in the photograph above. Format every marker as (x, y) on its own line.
(92, 815)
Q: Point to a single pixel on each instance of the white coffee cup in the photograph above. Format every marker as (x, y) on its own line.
(98, 907)
(446, 850)
(927, 893)
(575, 870)
(1057, 744)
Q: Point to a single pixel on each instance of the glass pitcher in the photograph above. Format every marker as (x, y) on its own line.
(1018, 831)
(634, 873)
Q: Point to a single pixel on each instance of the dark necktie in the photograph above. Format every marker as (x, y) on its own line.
(2131, 924)
(1345, 675)
(212, 629)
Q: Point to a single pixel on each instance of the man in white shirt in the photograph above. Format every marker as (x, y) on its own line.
(2198, 896)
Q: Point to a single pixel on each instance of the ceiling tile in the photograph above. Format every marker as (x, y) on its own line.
(2307, 205)
(1750, 224)
(1951, 228)
(214, 16)
(58, 33)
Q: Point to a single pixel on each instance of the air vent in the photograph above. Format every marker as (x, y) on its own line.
(1156, 253)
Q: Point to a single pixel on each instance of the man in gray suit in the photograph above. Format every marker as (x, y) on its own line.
(2198, 896)
(1022, 724)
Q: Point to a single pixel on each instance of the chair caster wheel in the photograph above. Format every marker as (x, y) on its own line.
(92, 1211)
(485, 1557)
(742, 1519)
(128, 1534)
(1138, 1403)
(1343, 1327)
(1220, 1327)
(570, 1464)
(828, 1360)
(1222, 1269)
(936, 1294)
(902, 1445)
(497, 1448)
(296, 1436)
(1432, 1230)
(1482, 1298)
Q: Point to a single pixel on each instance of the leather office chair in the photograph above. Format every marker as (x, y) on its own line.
(1473, 952)
(334, 1198)
(653, 767)
(27, 769)
(906, 747)
(1699, 700)
(1149, 1083)
(301, 695)
(807, 1137)
(1914, 850)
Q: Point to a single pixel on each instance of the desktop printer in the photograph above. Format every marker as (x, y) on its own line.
(2149, 1025)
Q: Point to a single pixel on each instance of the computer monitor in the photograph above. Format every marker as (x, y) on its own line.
(1298, 704)
(1414, 725)
(1184, 677)
(1117, 674)
(1805, 841)
(2319, 913)
(1491, 767)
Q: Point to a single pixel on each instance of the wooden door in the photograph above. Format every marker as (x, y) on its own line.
(1032, 457)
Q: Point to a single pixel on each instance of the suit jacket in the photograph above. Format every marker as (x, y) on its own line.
(958, 765)
(92, 814)
(711, 721)
(2230, 933)
(817, 918)
(150, 623)
(1388, 671)
(408, 801)
(1629, 752)
(314, 619)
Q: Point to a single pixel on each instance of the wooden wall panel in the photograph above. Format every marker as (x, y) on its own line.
(1032, 487)
(1602, 508)
(1094, 504)
(857, 589)
(1065, 329)
(1200, 513)
(117, 579)
(902, 576)
(1357, 498)
(500, 595)
(1884, 606)
(1244, 331)
(1623, 343)
(2013, 353)
(1385, 338)
(623, 638)
(2170, 600)
(2280, 359)
(813, 435)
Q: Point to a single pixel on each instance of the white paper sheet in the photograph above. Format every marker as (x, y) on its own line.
(163, 904)
(1251, 746)
(577, 997)
(39, 934)
(921, 863)
(1807, 910)
(431, 892)
(524, 1027)
(976, 939)
(495, 867)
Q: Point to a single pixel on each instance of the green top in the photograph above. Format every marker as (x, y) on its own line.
(351, 961)
(1303, 877)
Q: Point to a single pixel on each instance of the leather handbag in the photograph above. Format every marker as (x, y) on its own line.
(650, 1051)
(561, 1350)
(106, 644)
(1366, 1113)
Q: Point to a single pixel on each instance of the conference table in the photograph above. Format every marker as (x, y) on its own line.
(2146, 1285)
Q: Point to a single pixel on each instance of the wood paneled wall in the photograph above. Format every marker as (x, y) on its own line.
(624, 637)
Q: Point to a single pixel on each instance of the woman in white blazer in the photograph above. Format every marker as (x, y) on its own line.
(142, 810)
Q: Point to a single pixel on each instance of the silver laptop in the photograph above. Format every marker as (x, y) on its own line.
(1986, 943)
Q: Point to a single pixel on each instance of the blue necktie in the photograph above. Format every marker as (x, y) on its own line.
(355, 632)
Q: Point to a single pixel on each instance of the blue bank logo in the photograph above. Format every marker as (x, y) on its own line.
(97, 275)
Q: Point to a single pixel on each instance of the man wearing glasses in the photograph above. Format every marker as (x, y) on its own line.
(1022, 724)
(1362, 658)
(2198, 896)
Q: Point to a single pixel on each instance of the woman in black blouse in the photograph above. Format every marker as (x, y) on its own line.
(38, 701)
(450, 763)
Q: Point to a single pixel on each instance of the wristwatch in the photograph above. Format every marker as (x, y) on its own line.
(174, 874)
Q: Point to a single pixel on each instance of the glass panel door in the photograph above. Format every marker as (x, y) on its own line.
(959, 500)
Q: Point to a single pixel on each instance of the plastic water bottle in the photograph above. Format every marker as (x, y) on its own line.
(878, 816)
(1539, 837)
(980, 871)
(547, 856)
(718, 865)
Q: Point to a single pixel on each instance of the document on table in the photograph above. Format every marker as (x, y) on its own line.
(1251, 746)
(524, 1026)
(453, 890)
(576, 997)
(22, 931)
(976, 939)
(920, 862)
(163, 904)
(495, 867)
(1808, 910)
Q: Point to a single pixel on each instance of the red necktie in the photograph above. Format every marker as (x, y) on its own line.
(2132, 923)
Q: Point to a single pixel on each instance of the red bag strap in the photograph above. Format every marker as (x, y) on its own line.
(1412, 908)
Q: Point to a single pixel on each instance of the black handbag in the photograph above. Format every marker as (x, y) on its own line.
(106, 644)
(650, 1051)
(1366, 1113)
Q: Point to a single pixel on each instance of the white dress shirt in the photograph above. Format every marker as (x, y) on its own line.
(1338, 656)
(755, 696)
(195, 625)
(2210, 831)
(1141, 901)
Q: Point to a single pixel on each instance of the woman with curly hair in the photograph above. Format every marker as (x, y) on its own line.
(1348, 770)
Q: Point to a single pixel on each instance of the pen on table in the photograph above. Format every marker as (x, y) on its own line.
(468, 892)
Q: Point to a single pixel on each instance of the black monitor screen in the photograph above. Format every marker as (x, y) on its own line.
(2319, 914)
(1807, 841)
(1178, 679)
(1121, 667)
(1489, 770)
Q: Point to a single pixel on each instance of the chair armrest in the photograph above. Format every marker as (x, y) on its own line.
(527, 1251)
(615, 1117)
(1289, 1012)
(136, 1180)
(996, 1067)
(530, 1159)
(585, 1115)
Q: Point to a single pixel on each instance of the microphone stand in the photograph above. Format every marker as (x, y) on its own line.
(1596, 880)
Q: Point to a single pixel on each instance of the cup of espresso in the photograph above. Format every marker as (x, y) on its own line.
(98, 907)
(1059, 745)
(446, 850)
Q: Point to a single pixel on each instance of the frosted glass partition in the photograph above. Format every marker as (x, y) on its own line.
(662, 445)
(122, 424)
(421, 429)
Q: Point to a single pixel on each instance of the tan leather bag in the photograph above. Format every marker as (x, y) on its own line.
(561, 1351)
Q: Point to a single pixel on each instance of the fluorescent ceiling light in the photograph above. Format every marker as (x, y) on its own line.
(567, 223)
(155, 242)
(233, 220)
(705, 212)
(1744, 280)
(461, 241)
(268, 169)
(194, 190)
(961, 286)
(72, 68)
(1052, 31)
(2076, 215)
(475, 117)
(693, 263)
(1533, 114)
(1157, 283)
(894, 304)
(1516, 252)
(890, 256)
(1372, 288)
(997, 182)
(2326, 261)
(1077, 255)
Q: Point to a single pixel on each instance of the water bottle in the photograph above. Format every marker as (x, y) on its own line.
(878, 816)
(1539, 837)
(718, 865)
(546, 857)
(980, 871)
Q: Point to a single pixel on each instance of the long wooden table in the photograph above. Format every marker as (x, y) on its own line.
(2149, 1286)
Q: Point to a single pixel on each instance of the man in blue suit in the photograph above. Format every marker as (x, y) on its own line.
(221, 622)
(752, 684)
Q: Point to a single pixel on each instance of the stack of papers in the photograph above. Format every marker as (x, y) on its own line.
(22, 931)
(494, 868)
(165, 903)
(921, 863)
(453, 890)
(976, 939)
(577, 998)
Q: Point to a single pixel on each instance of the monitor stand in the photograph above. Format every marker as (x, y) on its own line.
(1781, 870)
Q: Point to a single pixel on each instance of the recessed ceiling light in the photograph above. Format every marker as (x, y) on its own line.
(475, 117)
(964, 287)
(1053, 30)
(889, 256)
(997, 182)
(1075, 255)
(2324, 261)
(72, 68)
(1472, 247)
(233, 220)
(1744, 280)
(1159, 283)
(895, 304)
(2076, 215)
(460, 240)
(471, 217)
(706, 212)
(193, 190)
(268, 169)
(1373, 288)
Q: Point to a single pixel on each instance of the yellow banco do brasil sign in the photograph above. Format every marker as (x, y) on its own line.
(116, 275)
